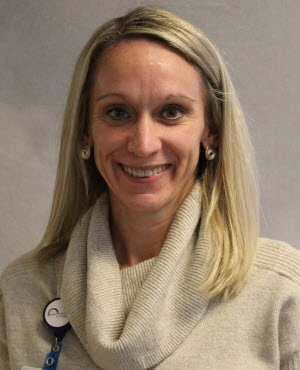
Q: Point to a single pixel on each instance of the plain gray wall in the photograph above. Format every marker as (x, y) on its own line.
(39, 44)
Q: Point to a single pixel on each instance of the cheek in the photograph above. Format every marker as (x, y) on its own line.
(187, 144)
(106, 142)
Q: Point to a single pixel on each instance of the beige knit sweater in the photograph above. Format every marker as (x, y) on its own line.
(151, 315)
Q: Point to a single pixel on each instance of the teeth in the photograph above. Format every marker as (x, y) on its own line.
(146, 173)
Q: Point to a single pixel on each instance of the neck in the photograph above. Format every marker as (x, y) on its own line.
(137, 236)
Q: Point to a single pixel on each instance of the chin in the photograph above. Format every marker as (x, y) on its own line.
(147, 203)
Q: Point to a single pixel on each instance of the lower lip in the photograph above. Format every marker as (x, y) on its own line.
(145, 180)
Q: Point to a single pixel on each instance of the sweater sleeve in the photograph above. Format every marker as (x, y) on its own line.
(289, 332)
(4, 362)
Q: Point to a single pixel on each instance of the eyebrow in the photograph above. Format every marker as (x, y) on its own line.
(100, 97)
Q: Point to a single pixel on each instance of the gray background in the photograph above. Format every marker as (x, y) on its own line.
(39, 43)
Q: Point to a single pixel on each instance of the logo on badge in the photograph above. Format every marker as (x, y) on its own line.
(54, 311)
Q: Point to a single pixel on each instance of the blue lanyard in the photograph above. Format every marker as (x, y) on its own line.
(53, 356)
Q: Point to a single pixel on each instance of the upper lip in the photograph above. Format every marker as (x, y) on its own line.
(151, 167)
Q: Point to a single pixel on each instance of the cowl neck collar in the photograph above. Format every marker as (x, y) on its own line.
(168, 305)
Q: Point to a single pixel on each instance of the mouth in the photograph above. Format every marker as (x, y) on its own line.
(145, 172)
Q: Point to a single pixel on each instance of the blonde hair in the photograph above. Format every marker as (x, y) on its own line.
(230, 192)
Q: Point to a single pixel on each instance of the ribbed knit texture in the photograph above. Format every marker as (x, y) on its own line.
(150, 315)
(132, 279)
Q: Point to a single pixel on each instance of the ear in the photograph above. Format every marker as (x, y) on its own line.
(88, 139)
(209, 139)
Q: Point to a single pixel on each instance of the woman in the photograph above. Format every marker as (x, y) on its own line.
(151, 258)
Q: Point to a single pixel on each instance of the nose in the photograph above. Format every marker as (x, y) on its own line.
(144, 138)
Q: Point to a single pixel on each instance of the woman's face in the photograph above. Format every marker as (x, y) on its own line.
(146, 123)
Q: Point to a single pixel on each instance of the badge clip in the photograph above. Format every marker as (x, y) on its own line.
(56, 319)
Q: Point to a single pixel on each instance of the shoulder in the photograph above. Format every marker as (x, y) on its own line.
(19, 266)
(279, 257)
(25, 273)
(28, 265)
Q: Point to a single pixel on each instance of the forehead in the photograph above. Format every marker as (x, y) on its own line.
(146, 62)
(142, 48)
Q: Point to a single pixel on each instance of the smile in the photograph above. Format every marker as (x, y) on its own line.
(145, 173)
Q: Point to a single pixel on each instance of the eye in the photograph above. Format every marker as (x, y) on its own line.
(172, 112)
(118, 113)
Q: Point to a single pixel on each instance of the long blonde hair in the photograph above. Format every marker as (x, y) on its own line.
(229, 186)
